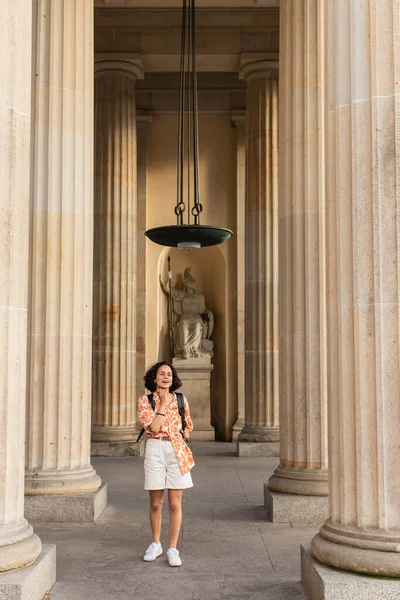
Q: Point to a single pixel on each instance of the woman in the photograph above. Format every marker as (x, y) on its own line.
(168, 459)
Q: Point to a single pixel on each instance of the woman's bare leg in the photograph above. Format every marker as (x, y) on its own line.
(175, 516)
(156, 502)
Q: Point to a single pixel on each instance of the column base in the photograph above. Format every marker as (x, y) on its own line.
(118, 449)
(203, 434)
(359, 550)
(33, 582)
(237, 429)
(295, 508)
(325, 583)
(257, 448)
(259, 434)
(301, 481)
(60, 482)
(19, 546)
(114, 433)
(75, 508)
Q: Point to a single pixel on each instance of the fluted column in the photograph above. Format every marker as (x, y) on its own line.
(143, 124)
(115, 265)
(261, 254)
(239, 122)
(19, 546)
(363, 262)
(59, 343)
(303, 466)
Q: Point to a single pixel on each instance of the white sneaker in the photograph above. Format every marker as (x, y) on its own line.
(153, 551)
(173, 557)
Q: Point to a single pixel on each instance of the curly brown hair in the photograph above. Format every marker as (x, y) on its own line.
(150, 377)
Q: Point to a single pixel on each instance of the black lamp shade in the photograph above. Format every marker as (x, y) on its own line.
(188, 235)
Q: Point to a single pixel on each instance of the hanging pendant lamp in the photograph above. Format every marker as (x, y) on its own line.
(190, 235)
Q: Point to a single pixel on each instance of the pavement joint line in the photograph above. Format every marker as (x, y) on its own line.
(241, 483)
(265, 545)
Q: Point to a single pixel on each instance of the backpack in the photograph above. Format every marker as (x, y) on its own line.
(181, 409)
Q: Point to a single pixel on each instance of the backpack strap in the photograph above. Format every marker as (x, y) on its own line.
(152, 403)
(181, 409)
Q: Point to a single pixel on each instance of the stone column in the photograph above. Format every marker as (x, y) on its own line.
(19, 546)
(297, 492)
(363, 263)
(115, 263)
(239, 122)
(59, 342)
(143, 123)
(261, 432)
(27, 569)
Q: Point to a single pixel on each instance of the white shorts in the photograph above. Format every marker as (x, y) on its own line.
(161, 469)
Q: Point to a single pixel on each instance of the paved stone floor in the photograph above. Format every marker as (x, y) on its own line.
(229, 550)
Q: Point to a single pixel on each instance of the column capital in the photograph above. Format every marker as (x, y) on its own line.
(258, 66)
(238, 118)
(123, 64)
(143, 117)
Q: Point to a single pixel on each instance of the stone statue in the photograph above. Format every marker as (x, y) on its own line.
(191, 324)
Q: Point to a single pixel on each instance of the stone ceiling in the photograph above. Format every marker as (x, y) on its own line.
(223, 36)
(228, 34)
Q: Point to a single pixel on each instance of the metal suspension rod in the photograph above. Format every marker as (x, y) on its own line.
(189, 79)
(193, 235)
(197, 206)
(180, 207)
(188, 125)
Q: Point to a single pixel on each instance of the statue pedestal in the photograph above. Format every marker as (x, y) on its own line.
(195, 374)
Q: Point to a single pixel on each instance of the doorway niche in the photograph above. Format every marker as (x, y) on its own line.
(208, 267)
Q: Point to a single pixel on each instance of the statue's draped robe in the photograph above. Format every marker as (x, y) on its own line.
(189, 330)
(187, 324)
(176, 296)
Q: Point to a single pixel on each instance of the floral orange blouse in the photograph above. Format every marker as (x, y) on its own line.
(171, 426)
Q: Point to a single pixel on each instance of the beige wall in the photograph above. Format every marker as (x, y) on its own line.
(214, 268)
(224, 37)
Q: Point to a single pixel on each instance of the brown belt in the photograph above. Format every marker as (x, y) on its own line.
(165, 439)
